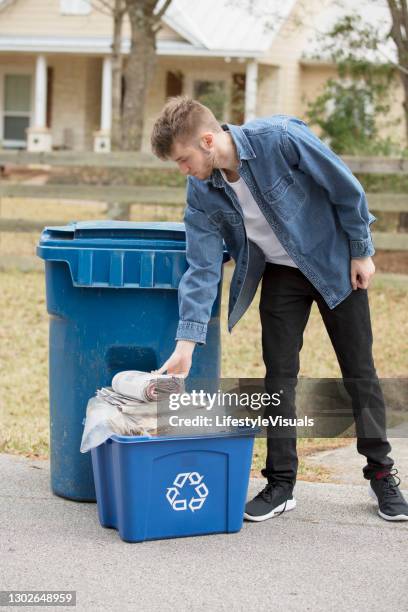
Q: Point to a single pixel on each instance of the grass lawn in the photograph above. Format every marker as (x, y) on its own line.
(24, 331)
(24, 360)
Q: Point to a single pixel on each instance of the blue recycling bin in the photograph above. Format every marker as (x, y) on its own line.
(168, 487)
(111, 289)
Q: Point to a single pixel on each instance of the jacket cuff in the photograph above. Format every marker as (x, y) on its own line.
(191, 330)
(362, 248)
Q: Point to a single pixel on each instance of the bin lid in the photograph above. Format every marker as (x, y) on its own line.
(108, 233)
(119, 253)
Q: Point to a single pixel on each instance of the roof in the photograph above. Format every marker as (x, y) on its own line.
(245, 27)
(212, 28)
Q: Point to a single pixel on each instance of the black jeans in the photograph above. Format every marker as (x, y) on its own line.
(286, 300)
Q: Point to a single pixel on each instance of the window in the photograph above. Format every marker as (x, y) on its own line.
(75, 7)
(174, 84)
(238, 98)
(17, 109)
(211, 94)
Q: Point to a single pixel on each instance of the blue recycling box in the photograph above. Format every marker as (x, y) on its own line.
(168, 487)
(111, 289)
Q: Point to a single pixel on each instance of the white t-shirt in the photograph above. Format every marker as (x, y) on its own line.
(257, 227)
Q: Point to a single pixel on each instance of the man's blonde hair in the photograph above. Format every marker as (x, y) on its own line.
(180, 119)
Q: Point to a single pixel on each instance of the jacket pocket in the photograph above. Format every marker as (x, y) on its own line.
(286, 197)
(225, 217)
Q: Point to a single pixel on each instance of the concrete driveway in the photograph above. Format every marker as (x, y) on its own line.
(332, 553)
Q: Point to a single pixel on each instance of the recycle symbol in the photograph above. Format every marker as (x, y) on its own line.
(200, 492)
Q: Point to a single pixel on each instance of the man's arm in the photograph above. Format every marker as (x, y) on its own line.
(303, 149)
(199, 284)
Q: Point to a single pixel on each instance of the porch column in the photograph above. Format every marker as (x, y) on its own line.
(38, 135)
(251, 87)
(102, 138)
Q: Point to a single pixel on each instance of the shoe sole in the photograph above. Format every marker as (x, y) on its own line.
(290, 505)
(386, 517)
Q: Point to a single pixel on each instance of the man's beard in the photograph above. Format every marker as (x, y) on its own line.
(210, 162)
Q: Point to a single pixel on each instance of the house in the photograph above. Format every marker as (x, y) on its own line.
(248, 58)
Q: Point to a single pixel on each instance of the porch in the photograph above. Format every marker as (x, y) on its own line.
(63, 101)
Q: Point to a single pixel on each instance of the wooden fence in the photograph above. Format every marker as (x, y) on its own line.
(119, 198)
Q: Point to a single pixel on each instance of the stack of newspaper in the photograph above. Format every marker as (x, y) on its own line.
(134, 392)
(129, 407)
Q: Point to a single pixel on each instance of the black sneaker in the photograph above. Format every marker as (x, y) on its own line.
(273, 500)
(383, 488)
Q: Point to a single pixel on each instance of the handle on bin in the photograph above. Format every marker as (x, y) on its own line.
(121, 268)
(147, 269)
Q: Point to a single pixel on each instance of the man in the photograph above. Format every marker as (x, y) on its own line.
(292, 213)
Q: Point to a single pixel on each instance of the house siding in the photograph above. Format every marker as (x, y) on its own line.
(192, 69)
(285, 84)
(43, 18)
(69, 105)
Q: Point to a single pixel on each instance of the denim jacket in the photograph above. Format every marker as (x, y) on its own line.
(310, 198)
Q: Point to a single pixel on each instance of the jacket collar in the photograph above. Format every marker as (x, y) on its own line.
(244, 149)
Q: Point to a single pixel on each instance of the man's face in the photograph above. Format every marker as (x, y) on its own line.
(195, 158)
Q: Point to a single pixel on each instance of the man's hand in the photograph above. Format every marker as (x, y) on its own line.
(180, 361)
(362, 270)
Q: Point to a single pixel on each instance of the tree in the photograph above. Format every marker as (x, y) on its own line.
(145, 22)
(352, 106)
(115, 9)
(117, 69)
(399, 34)
(372, 40)
(347, 114)
(144, 17)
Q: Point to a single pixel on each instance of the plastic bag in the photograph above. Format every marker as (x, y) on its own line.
(103, 419)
